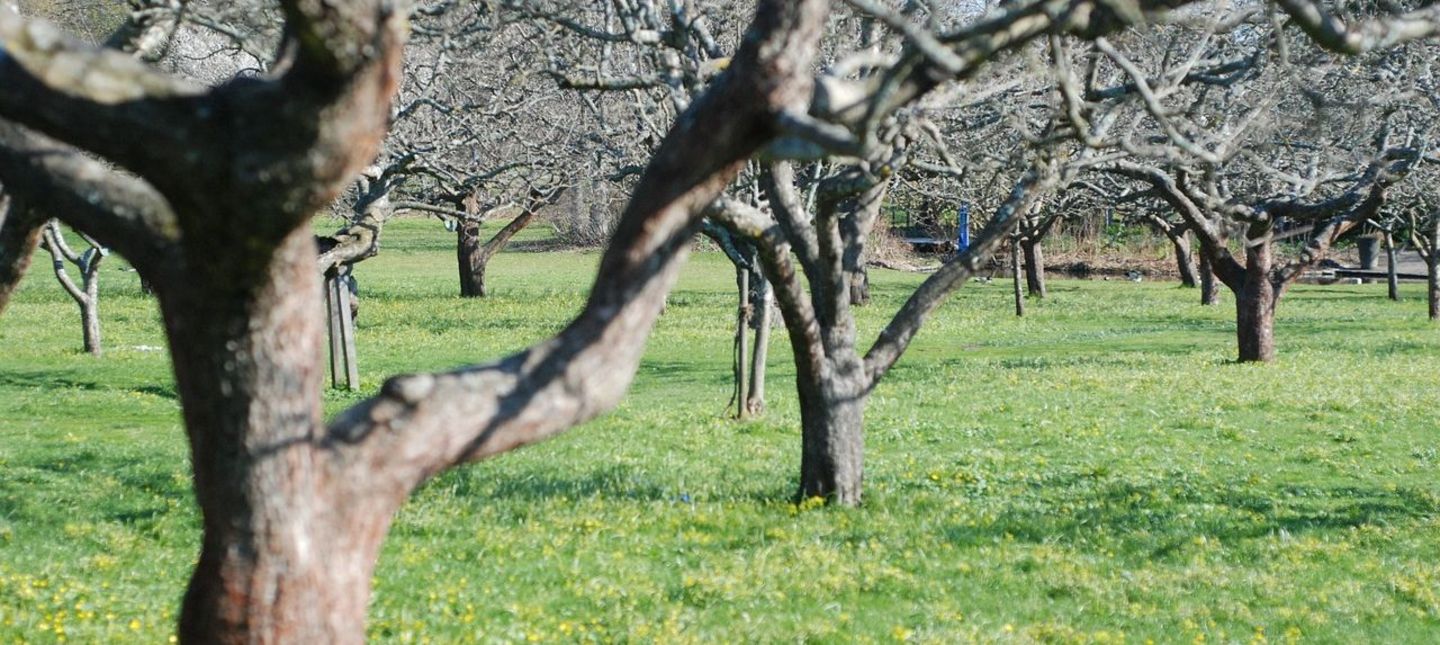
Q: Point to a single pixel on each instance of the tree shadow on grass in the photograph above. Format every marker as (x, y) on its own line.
(1157, 520)
(617, 481)
(50, 381)
(46, 380)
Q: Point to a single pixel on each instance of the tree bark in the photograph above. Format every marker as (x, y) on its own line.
(1369, 246)
(859, 279)
(20, 230)
(90, 312)
(285, 557)
(474, 257)
(1034, 267)
(467, 251)
(1184, 260)
(832, 421)
(1433, 285)
(1209, 286)
(1255, 307)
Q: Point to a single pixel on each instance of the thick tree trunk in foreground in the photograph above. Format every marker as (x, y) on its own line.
(1034, 268)
(1209, 286)
(285, 556)
(20, 232)
(832, 422)
(1184, 260)
(1255, 307)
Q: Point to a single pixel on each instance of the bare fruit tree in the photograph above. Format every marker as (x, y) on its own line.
(273, 481)
(1241, 137)
(86, 293)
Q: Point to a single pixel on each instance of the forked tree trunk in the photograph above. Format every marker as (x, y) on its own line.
(1209, 286)
(1255, 307)
(832, 421)
(1034, 268)
(284, 556)
(467, 254)
(1184, 260)
(86, 294)
(474, 258)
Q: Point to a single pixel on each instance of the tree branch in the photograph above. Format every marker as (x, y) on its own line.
(801, 325)
(1330, 32)
(896, 337)
(117, 209)
(102, 100)
(421, 424)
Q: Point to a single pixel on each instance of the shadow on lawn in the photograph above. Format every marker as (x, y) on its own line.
(610, 482)
(1157, 520)
(46, 380)
(49, 381)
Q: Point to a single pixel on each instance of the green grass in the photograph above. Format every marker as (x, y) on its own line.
(1097, 471)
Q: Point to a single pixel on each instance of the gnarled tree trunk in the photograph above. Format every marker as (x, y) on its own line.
(1209, 286)
(286, 556)
(1184, 260)
(832, 422)
(468, 251)
(1034, 267)
(474, 258)
(1255, 306)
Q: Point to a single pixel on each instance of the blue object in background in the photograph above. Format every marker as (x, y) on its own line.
(962, 229)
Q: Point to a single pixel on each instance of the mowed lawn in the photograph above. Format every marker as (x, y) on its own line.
(1099, 471)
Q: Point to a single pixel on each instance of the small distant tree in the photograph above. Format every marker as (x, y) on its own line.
(86, 294)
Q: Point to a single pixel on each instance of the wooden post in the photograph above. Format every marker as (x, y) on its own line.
(1015, 277)
(344, 373)
(742, 330)
(1392, 280)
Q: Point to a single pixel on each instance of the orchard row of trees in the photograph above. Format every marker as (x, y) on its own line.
(200, 139)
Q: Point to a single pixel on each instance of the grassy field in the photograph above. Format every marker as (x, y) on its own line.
(1096, 472)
